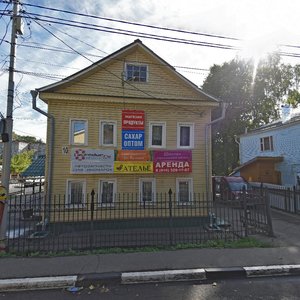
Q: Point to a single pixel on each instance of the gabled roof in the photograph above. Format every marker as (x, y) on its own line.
(36, 169)
(119, 53)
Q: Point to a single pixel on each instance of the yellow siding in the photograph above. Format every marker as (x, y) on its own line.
(101, 95)
(162, 83)
(125, 183)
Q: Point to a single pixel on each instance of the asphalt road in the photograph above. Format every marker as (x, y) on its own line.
(263, 288)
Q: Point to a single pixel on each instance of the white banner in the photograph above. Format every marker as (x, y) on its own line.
(92, 161)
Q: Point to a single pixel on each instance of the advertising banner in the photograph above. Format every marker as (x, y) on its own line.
(133, 155)
(133, 140)
(173, 161)
(133, 120)
(133, 167)
(92, 161)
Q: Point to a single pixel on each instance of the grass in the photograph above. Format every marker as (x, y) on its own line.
(248, 242)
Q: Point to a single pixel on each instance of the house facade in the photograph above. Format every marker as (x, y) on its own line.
(271, 154)
(128, 124)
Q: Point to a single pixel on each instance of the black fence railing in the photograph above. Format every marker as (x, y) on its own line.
(283, 198)
(36, 226)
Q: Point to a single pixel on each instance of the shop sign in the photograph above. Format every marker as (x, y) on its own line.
(133, 139)
(92, 161)
(133, 120)
(133, 167)
(133, 155)
(172, 161)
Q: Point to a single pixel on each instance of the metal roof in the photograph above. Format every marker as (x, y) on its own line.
(37, 168)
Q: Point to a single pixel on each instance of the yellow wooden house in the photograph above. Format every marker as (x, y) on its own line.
(127, 124)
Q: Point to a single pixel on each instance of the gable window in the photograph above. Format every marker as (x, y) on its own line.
(107, 192)
(184, 190)
(266, 143)
(185, 135)
(136, 72)
(78, 132)
(147, 190)
(108, 133)
(76, 193)
(157, 135)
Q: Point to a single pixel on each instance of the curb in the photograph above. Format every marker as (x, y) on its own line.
(37, 283)
(146, 277)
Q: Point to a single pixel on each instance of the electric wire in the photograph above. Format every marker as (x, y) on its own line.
(131, 23)
(113, 74)
(106, 29)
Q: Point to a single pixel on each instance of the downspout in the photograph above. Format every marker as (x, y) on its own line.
(207, 157)
(50, 143)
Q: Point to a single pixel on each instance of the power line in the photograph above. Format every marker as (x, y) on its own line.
(132, 23)
(56, 49)
(143, 25)
(117, 76)
(94, 27)
(5, 33)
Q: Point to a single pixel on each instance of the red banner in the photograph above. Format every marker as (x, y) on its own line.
(133, 120)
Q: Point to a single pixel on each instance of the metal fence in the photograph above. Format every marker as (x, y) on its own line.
(283, 198)
(35, 226)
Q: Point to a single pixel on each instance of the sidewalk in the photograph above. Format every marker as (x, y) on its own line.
(286, 251)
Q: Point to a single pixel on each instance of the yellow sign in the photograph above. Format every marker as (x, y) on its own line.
(129, 167)
(3, 193)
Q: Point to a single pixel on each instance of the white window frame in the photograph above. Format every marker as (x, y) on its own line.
(164, 130)
(71, 132)
(68, 203)
(191, 193)
(153, 200)
(100, 187)
(192, 135)
(138, 65)
(262, 143)
(101, 133)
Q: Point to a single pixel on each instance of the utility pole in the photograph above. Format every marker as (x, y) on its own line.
(9, 116)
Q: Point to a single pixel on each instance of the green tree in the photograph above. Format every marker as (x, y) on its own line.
(253, 94)
(25, 138)
(21, 161)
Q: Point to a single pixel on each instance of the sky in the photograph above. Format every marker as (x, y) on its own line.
(49, 50)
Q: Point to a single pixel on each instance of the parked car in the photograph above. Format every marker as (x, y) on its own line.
(229, 187)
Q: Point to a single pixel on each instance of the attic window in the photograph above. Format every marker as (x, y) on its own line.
(136, 72)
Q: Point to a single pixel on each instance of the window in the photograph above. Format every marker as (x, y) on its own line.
(136, 72)
(107, 192)
(157, 135)
(147, 190)
(184, 190)
(108, 136)
(76, 190)
(78, 132)
(266, 143)
(185, 135)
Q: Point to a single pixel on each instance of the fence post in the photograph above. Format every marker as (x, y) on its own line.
(171, 217)
(92, 220)
(246, 214)
(294, 199)
(268, 211)
(285, 200)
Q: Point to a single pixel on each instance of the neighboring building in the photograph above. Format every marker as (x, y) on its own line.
(271, 154)
(16, 147)
(128, 124)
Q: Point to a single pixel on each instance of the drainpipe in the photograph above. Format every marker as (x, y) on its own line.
(50, 143)
(207, 157)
